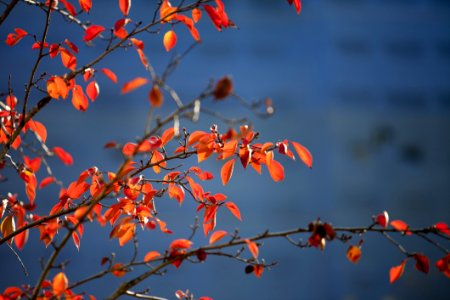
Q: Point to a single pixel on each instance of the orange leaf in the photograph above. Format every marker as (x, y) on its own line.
(167, 12)
(110, 74)
(79, 99)
(92, 90)
(124, 6)
(227, 171)
(64, 156)
(21, 239)
(180, 244)
(253, 247)
(354, 253)
(92, 32)
(276, 170)
(170, 40)
(216, 236)
(229, 149)
(60, 284)
(422, 263)
(196, 14)
(401, 226)
(397, 271)
(176, 192)
(258, 270)
(85, 5)
(68, 59)
(39, 129)
(133, 84)
(303, 153)
(151, 256)
(156, 97)
(233, 209)
(167, 136)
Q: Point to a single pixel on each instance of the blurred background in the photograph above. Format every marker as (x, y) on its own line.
(364, 84)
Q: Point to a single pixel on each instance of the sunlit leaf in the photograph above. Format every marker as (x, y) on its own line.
(167, 136)
(119, 270)
(233, 209)
(180, 244)
(125, 6)
(13, 38)
(196, 14)
(253, 247)
(92, 32)
(21, 239)
(64, 156)
(69, 7)
(354, 253)
(216, 236)
(134, 84)
(227, 171)
(110, 74)
(170, 40)
(60, 284)
(396, 272)
(92, 90)
(79, 99)
(85, 5)
(442, 227)
(68, 59)
(8, 226)
(258, 270)
(276, 170)
(151, 256)
(382, 219)
(303, 153)
(401, 226)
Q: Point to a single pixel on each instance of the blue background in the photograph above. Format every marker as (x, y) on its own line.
(363, 84)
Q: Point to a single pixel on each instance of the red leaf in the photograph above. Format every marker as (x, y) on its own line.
(216, 236)
(156, 97)
(253, 247)
(442, 227)
(443, 265)
(92, 32)
(303, 153)
(170, 40)
(13, 38)
(422, 263)
(85, 5)
(233, 209)
(397, 271)
(64, 156)
(110, 74)
(21, 239)
(124, 6)
(134, 84)
(76, 240)
(401, 226)
(46, 181)
(383, 219)
(69, 7)
(92, 90)
(227, 171)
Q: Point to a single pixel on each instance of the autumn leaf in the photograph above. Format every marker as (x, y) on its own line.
(442, 227)
(21, 239)
(7, 227)
(396, 272)
(167, 136)
(180, 244)
(216, 236)
(85, 5)
(382, 219)
(60, 284)
(79, 99)
(125, 6)
(276, 170)
(13, 38)
(170, 40)
(69, 7)
(227, 171)
(422, 263)
(303, 153)
(233, 209)
(258, 270)
(119, 270)
(223, 88)
(196, 14)
(401, 226)
(297, 5)
(156, 97)
(354, 253)
(134, 84)
(443, 265)
(151, 256)
(92, 32)
(253, 248)
(92, 90)
(110, 74)
(64, 156)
